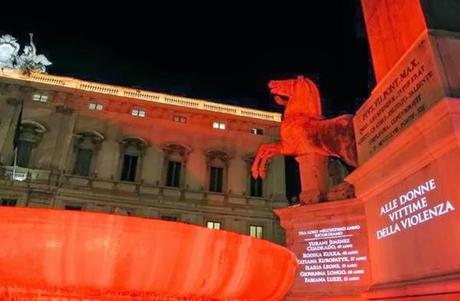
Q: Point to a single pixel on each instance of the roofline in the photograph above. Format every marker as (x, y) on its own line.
(160, 98)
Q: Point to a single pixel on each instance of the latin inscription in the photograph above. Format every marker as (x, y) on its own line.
(399, 100)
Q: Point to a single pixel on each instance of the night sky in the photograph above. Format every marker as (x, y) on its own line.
(220, 52)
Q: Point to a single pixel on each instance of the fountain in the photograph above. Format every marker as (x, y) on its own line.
(50, 254)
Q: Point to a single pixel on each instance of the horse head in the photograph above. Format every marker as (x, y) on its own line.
(299, 95)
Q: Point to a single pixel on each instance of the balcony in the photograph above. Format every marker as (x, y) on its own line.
(135, 190)
(24, 174)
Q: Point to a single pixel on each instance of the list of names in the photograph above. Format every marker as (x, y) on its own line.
(330, 256)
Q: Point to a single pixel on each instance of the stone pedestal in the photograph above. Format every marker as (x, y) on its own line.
(407, 207)
(313, 177)
(411, 196)
(407, 136)
(330, 242)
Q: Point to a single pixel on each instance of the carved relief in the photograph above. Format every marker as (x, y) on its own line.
(176, 149)
(212, 155)
(92, 138)
(134, 143)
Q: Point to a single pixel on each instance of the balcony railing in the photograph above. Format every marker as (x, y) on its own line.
(24, 174)
(135, 189)
(199, 104)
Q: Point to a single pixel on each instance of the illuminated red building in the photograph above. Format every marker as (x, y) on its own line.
(95, 147)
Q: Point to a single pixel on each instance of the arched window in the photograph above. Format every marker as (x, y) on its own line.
(217, 170)
(132, 152)
(175, 164)
(31, 133)
(87, 145)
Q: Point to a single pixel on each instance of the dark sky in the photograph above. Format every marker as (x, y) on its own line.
(223, 52)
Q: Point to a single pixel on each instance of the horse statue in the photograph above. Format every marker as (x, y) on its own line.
(303, 129)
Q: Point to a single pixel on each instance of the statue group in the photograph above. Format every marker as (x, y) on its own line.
(27, 61)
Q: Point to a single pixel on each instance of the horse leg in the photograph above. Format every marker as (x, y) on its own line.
(256, 162)
(265, 152)
(274, 151)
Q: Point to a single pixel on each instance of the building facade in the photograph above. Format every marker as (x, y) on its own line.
(96, 147)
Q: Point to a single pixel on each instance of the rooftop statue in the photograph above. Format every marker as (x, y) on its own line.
(9, 49)
(305, 133)
(27, 61)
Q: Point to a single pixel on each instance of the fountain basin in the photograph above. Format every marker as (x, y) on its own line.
(46, 254)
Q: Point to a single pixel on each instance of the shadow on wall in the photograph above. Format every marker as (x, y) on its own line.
(293, 187)
(336, 173)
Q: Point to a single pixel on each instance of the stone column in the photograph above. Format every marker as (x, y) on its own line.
(196, 171)
(238, 175)
(67, 119)
(313, 177)
(9, 115)
(7, 130)
(108, 162)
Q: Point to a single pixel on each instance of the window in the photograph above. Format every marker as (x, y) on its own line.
(173, 176)
(30, 135)
(256, 187)
(169, 218)
(218, 125)
(40, 97)
(95, 106)
(213, 225)
(128, 171)
(132, 152)
(73, 207)
(256, 231)
(257, 131)
(216, 179)
(217, 163)
(24, 153)
(180, 119)
(175, 164)
(83, 162)
(138, 112)
(8, 202)
(86, 147)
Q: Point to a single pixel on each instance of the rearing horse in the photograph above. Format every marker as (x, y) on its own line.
(303, 129)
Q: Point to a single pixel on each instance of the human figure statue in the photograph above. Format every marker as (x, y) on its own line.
(30, 61)
(9, 49)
